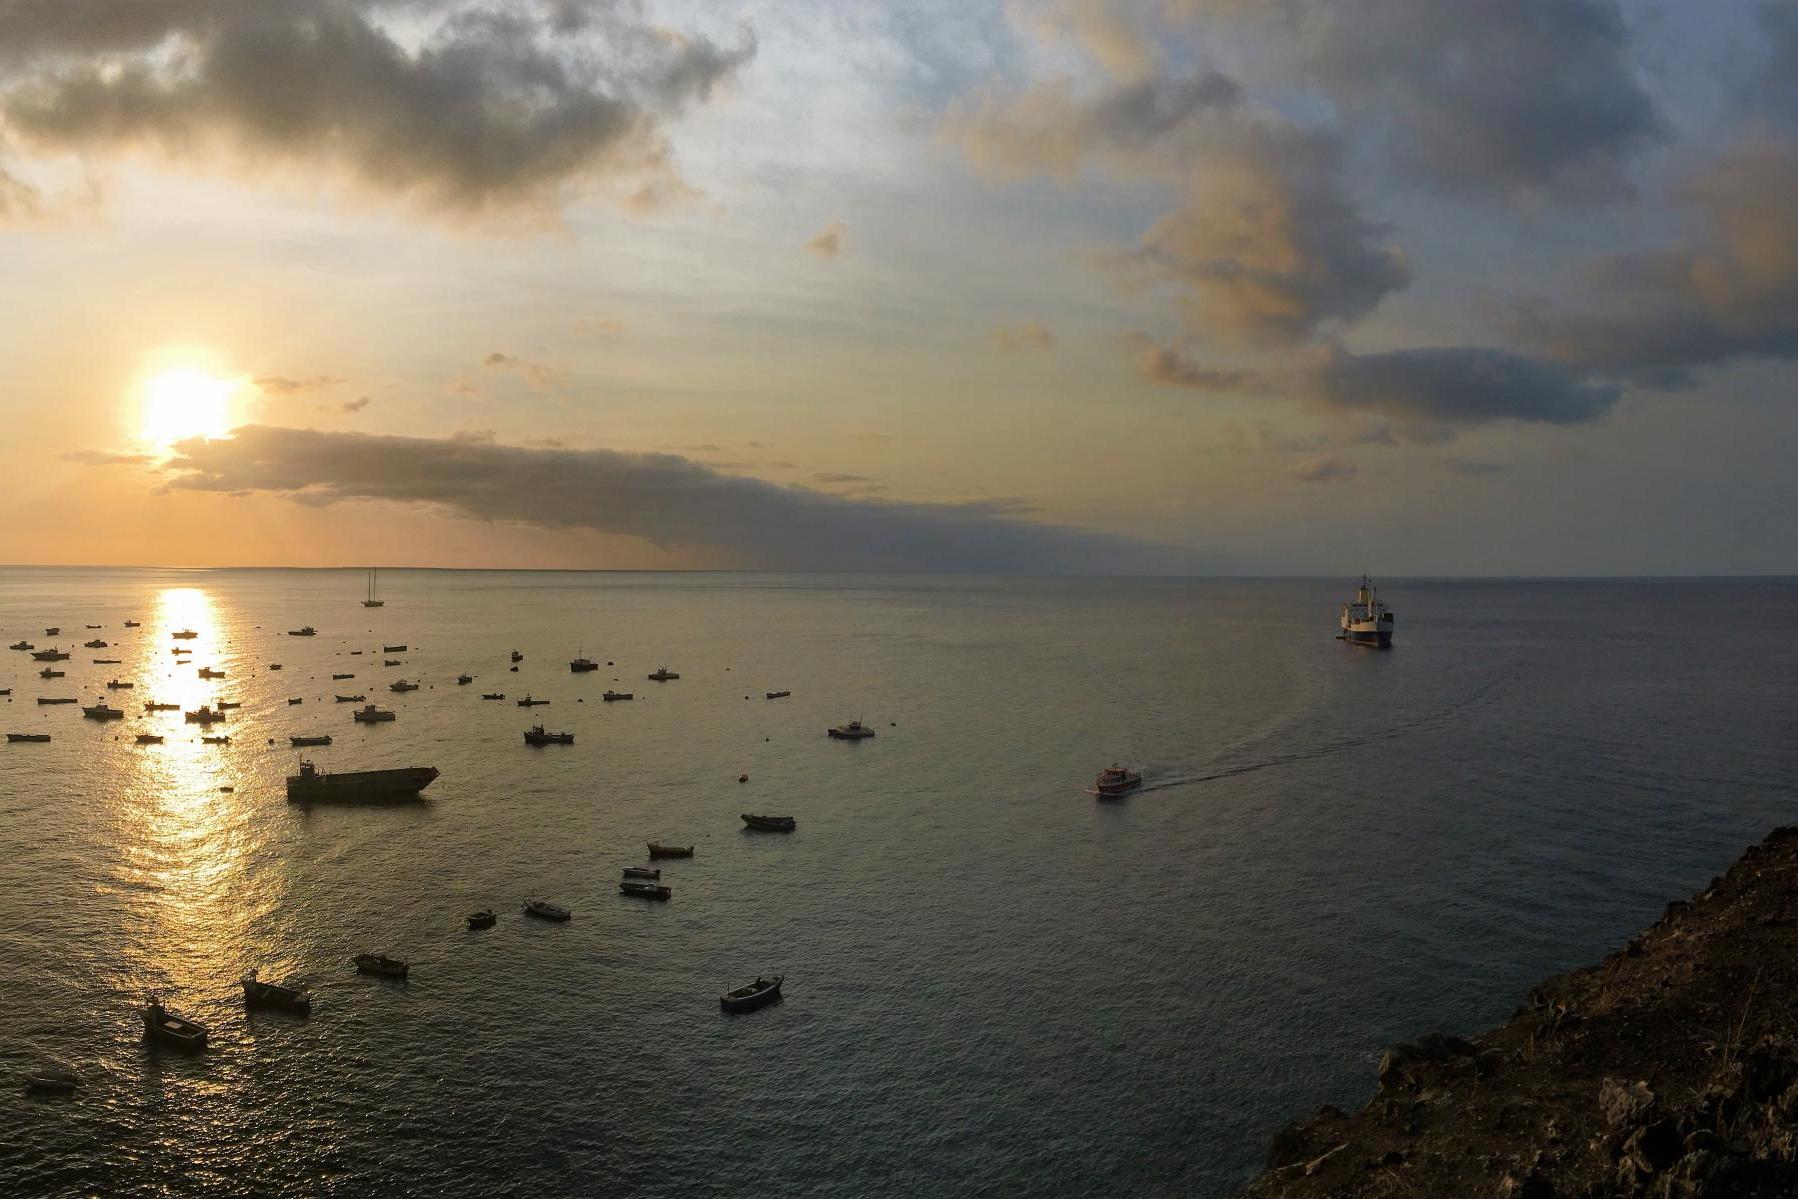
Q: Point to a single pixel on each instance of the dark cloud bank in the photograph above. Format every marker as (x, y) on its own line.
(662, 498)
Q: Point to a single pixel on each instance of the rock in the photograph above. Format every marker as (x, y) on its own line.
(1653, 1147)
(1317, 1163)
(1623, 1103)
(1291, 1146)
(1704, 1139)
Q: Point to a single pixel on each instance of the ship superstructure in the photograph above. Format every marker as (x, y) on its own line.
(1365, 619)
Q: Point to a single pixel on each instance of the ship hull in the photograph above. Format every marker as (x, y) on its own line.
(1373, 638)
(367, 786)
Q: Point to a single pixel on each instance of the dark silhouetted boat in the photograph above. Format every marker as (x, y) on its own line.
(115, 685)
(528, 702)
(662, 675)
(536, 735)
(855, 730)
(770, 824)
(339, 677)
(752, 995)
(546, 910)
(643, 890)
(1114, 781)
(46, 701)
(517, 657)
(153, 706)
(375, 963)
(184, 635)
(350, 699)
(670, 851)
(207, 672)
(582, 666)
(21, 645)
(215, 740)
(229, 705)
(304, 742)
(778, 694)
(257, 993)
(307, 631)
(177, 1032)
(132, 624)
(372, 715)
(202, 715)
(292, 700)
(463, 680)
(373, 601)
(393, 649)
(390, 662)
(402, 685)
(149, 738)
(48, 673)
(312, 785)
(53, 630)
(96, 643)
(642, 872)
(31, 738)
(484, 919)
(51, 1078)
(493, 695)
(50, 655)
(614, 696)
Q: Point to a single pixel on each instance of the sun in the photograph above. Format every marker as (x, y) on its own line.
(181, 403)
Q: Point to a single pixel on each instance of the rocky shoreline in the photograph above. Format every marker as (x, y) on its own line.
(1668, 1070)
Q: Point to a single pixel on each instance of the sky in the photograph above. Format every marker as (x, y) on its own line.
(1503, 287)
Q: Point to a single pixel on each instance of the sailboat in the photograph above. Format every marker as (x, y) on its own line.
(371, 601)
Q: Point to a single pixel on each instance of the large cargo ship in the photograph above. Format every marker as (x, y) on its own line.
(1365, 620)
(312, 785)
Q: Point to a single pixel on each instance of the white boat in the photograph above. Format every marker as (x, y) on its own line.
(1365, 619)
(855, 730)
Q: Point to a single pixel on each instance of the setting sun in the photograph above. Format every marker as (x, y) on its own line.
(183, 403)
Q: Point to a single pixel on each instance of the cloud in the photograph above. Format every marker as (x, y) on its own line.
(1473, 466)
(1433, 393)
(662, 498)
(106, 458)
(534, 373)
(282, 385)
(1166, 366)
(828, 242)
(356, 405)
(1730, 291)
(463, 109)
(1323, 468)
(1031, 335)
(838, 477)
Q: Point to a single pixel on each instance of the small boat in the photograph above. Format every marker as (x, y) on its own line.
(47, 673)
(1114, 780)
(513, 669)
(390, 662)
(670, 851)
(582, 666)
(292, 700)
(642, 872)
(484, 919)
(463, 680)
(274, 666)
(115, 685)
(172, 1030)
(21, 645)
(34, 738)
(207, 672)
(257, 993)
(643, 890)
(51, 1078)
(44, 701)
(752, 995)
(770, 824)
(517, 657)
(372, 715)
(50, 655)
(528, 702)
(181, 649)
(153, 706)
(337, 677)
(102, 711)
(548, 911)
(350, 699)
(375, 963)
(132, 624)
(402, 685)
(229, 705)
(93, 626)
(373, 600)
(53, 630)
(303, 742)
(778, 694)
(149, 738)
(855, 730)
(662, 674)
(355, 653)
(393, 649)
(307, 631)
(108, 661)
(537, 735)
(743, 778)
(221, 740)
(184, 635)
(202, 715)
(493, 695)
(615, 696)
(96, 643)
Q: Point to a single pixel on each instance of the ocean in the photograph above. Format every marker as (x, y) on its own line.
(994, 984)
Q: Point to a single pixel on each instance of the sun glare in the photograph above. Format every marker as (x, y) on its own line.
(183, 403)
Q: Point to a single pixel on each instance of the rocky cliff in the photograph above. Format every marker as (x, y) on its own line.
(1668, 1070)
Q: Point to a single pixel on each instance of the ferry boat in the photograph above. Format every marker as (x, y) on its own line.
(537, 735)
(1115, 780)
(177, 1032)
(1365, 619)
(312, 785)
(372, 715)
(644, 890)
(855, 730)
(267, 994)
(752, 995)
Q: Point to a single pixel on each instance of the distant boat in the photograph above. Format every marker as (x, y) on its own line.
(207, 672)
(670, 851)
(274, 666)
(402, 685)
(546, 911)
(536, 735)
(149, 738)
(306, 631)
(47, 673)
(855, 730)
(375, 963)
(528, 702)
(34, 738)
(45, 701)
(295, 700)
(53, 630)
(493, 695)
(108, 661)
(172, 1030)
(391, 662)
(373, 581)
(96, 643)
(350, 699)
(257, 993)
(643, 890)
(202, 715)
(484, 919)
(770, 824)
(305, 742)
(372, 715)
(1365, 619)
(615, 696)
(50, 655)
(338, 677)
(752, 995)
(582, 665)
(662, 674)
(1113, 781)
(93, 626)
(51, 1078)
(222, 740)
(101, 711)
(463, 680)
(115, 685)
(517, 657)
(153, 706)
(641, 872)
(131, 624)
(21, 645)
(778, 694)
(184, 635)
(393, 649)
(312, 785)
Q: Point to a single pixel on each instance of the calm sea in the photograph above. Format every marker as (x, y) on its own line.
(994, 984)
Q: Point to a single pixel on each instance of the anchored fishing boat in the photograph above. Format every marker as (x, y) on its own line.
(752, 995)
